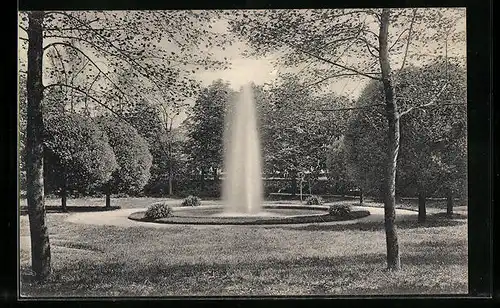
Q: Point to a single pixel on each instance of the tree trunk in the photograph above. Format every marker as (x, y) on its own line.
(300, 191)
(422, 213)
(361, 196)
(170, 168)
(449, 203)
(170, 179)
(393, 258)
(203, 179)
(294, 183)
(108, 196)
(170, 189)
(64, 193)
(40, 245)
(64, 199)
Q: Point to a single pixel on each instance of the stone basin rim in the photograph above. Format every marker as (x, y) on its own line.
(316, 217)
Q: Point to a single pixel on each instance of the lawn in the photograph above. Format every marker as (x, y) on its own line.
(311, 259)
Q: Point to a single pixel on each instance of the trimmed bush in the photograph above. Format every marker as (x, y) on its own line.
(158, 210)
(339, 210)
(191, 201)
(314, 200)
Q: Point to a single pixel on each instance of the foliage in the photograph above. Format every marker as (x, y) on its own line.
(77, 153)
(206, 128)
(191, 201)
(294, 140)
(338, 169)
(157, 49)
(339, 210)
(433, 139)
(342, 44)
(164, 141)
(433, 154)
(158, 210)
(314, 200)
(111, 41)
(365, 142)
(326, 40)
(132, 155)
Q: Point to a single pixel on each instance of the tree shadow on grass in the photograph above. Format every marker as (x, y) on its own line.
(77, 278)
(73, 209)
(378, 226)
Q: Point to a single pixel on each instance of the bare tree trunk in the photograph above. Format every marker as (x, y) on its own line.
(449, 203)
(294, 183)
(40, 245)
(108, 196)
(64, 194)
(203, 179)
(422, 213)
(170, 188)
(300, 190)
(361, 196)
(392, 115)
(170, 168)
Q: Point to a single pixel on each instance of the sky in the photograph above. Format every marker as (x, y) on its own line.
(261, 70)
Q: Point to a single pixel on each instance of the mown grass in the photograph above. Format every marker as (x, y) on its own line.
(180, 260)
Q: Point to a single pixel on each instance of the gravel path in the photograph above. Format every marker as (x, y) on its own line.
(120, 217)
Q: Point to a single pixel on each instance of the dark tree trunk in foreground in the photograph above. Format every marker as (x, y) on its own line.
(170, 187)
(64, 199)
(64, 194)
(170, 168)
(392, 115)
(202, 178)
(361, 196)
(294, 183)
(449, 203)
(40, 245)
(108, 196)
(422, 213)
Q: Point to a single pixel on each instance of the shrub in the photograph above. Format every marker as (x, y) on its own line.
(158, 210)
(339, 209)
(191, 201)
(314, 200)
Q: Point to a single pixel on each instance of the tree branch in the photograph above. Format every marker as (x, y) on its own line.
(409, 37)
(123, 53)
(368, 46)
(338, 65)
(80, 70)
(23, 28)
(90, 88)
(334, 76)
(350, 108)
(72, 17)
(397, 39)
(89, 59)
(83, 92)
(433, 101)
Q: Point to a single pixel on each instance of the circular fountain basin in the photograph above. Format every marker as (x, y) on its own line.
(282, 214)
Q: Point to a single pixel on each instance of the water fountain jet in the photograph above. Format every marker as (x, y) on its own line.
(243, 185)
(242, 189)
